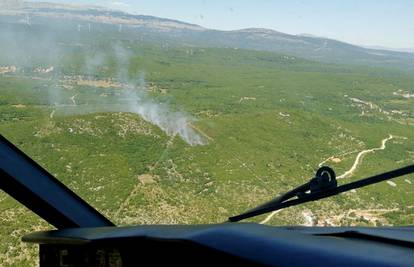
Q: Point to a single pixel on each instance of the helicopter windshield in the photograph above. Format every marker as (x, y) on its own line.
(190, 112)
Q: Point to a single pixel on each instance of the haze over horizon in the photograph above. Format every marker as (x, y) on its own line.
(369, 23)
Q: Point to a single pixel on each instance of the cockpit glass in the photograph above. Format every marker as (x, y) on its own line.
(190, 112)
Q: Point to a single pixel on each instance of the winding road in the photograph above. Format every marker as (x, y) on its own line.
(73, 99)
(349, 172)
(358, 158)
(270, 216)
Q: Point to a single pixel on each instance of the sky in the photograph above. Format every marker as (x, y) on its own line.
(388, 23)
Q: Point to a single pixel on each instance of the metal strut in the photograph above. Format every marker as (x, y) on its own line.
(30, 184)
(323, 185)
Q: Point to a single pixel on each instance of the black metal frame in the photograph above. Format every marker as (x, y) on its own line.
(34, 187)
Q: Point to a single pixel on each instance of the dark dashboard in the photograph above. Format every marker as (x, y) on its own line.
(233, 244)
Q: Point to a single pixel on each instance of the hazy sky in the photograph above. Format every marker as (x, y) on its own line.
(387, 23)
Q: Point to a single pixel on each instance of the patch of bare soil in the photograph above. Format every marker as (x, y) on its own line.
(371, 216)
(106, 83)
(19, 106)
(147, 178)
(246, 98)
(8, 69)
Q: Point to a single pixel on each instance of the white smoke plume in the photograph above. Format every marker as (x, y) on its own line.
(172, 123)
(136, 100)
(28, 50)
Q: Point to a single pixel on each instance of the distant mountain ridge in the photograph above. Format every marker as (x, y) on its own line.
(378, 47)
(91, 13)
(181, 33)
